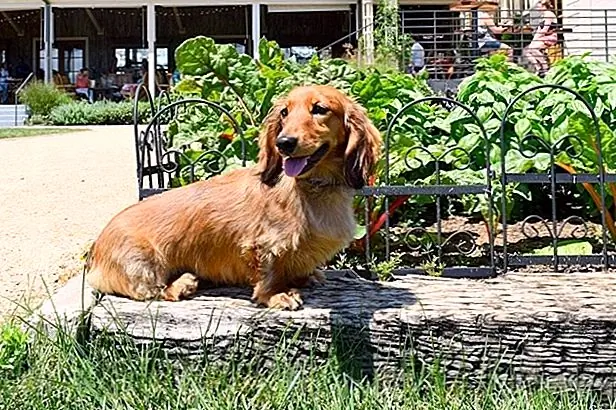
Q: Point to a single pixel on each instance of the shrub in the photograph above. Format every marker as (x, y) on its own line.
(99, 113)
(42, 98)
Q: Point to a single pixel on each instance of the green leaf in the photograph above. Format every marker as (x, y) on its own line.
(360, 231)
(188, 85)
(484, 113)
(193, 55)
(522, 127)
(541, 161)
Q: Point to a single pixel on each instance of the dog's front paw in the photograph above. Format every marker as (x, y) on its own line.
(291, 300)
(182, 288)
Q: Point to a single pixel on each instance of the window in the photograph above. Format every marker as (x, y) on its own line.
(130, 57)
(68, 57)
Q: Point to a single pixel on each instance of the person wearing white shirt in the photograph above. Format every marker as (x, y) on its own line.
(418, 57)
(487, 29)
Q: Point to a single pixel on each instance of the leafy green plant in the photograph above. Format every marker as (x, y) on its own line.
(433, 267)
(545, 120)
(13, 350)
(42, 98)
(384, 270)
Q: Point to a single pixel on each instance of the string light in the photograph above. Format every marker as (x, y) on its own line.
(28, 17)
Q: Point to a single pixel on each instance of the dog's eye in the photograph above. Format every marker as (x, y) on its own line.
(318, 109)
(284, 112)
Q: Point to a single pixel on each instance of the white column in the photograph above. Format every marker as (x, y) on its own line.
(48, 41)
(358, 21)
(368, 25)
(256, 28)
(151, 24)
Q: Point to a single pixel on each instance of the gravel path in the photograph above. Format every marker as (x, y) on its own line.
(56, 193)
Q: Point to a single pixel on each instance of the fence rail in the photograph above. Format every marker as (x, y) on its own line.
(442, 244)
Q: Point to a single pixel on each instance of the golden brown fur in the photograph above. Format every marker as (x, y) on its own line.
(255, 226)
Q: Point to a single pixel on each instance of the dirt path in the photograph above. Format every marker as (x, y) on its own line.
(56, 193)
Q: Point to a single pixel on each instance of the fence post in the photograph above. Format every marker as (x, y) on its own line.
(607, 45)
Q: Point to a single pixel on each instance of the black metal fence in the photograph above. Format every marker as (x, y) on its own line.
(451, 41)
(438, 246)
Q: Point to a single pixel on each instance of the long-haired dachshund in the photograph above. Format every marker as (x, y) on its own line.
(269, 226)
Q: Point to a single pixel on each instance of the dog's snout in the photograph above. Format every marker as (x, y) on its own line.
(286, 144)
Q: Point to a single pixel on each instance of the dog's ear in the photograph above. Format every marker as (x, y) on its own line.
(363, 146)
(270, 161)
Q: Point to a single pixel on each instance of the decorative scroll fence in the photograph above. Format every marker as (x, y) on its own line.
(435, 248)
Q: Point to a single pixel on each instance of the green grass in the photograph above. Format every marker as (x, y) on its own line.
(65, 374)
(19, 132)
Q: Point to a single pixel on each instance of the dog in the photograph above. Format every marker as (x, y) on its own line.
(269, 226)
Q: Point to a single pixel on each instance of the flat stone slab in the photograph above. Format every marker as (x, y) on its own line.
(558, 327)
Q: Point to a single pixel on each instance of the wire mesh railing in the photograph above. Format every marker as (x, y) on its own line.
(453, 40)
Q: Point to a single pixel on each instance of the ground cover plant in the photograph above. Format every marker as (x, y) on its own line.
(106, 373)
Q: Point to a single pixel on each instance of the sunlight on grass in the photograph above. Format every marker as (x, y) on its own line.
(107, 373)
(18, 132)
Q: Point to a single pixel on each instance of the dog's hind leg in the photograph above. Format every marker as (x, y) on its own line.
(181, 288)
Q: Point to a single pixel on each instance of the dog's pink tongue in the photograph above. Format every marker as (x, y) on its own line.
(294, 166)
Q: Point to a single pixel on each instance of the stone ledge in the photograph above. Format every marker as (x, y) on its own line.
(560, 327)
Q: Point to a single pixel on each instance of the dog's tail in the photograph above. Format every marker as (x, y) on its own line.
(87, 265)
(88, 258)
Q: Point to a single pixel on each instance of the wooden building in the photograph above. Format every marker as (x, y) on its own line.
(103, 35)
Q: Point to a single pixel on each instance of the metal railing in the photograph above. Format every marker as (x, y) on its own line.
(451, 41)
(18, 91)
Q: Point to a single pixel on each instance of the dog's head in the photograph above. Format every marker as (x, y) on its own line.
(318, 131)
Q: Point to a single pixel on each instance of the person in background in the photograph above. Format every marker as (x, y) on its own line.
(487, 29)
(113, 67)
(4, 84)
(418, 56)
(82, 85)
(348, 53)
(57, 78)
(176, 77)
(22, 70)
(545, 36)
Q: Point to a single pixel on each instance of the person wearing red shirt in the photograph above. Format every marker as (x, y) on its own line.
(82, 84)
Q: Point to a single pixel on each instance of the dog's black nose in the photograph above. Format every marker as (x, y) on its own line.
(286, 144)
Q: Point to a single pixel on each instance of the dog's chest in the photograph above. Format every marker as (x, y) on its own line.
(333, 221)
(322, 224)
